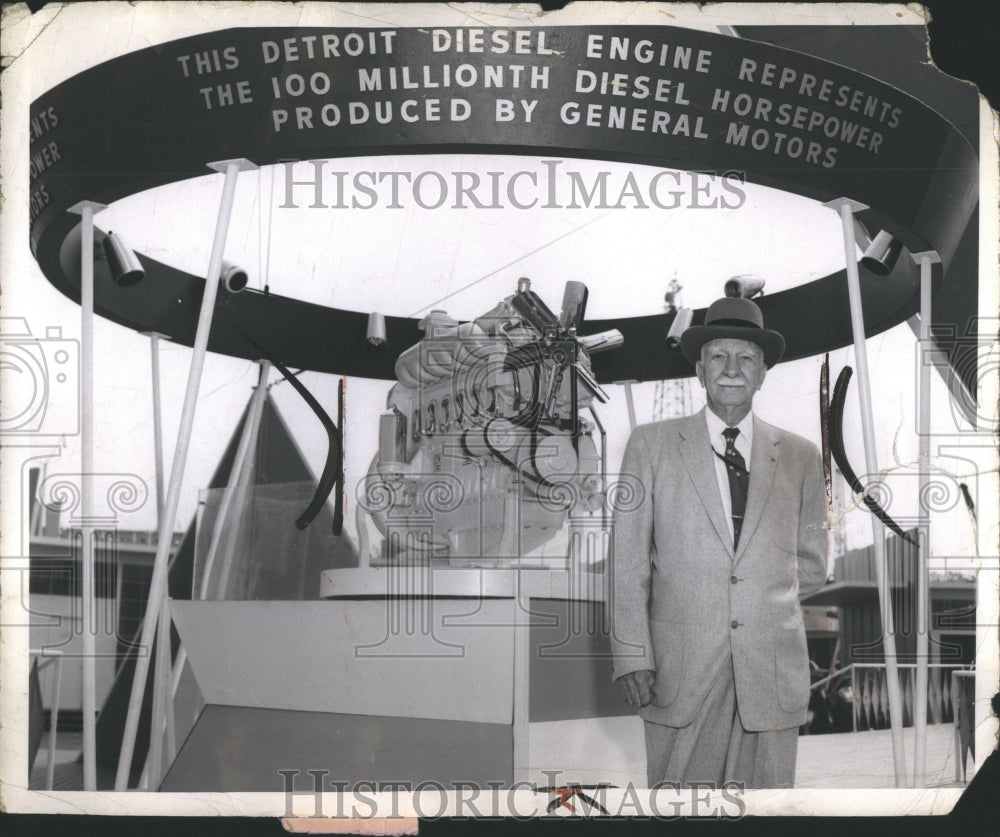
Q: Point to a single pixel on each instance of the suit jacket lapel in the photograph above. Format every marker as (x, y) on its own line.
(696, 451)
(764, 455)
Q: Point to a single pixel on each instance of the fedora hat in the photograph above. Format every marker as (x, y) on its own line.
(733, 318)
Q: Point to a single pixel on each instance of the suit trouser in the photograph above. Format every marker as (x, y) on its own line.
(715, 748)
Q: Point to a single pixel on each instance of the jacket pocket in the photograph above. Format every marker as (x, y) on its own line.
(791, 670)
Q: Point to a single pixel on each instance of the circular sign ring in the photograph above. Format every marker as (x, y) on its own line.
(920, 180)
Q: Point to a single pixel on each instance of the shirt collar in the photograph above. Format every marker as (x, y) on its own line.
(717, 425)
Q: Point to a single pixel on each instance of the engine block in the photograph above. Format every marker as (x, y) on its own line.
(484, 450)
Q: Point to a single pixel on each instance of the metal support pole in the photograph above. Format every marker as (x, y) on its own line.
(175, 682)
(247, 438)
(154, 351)
(522, 658)
(237, 524)
(846, 208)
(855, 699)
(157, 589)
(161, 703)
(55, 657)
(957, 735)
(170, 743)
(54, 722)
(36, 512)
(241, 478)
(360, 522)
(161, 698)
(181, 659)
(234, 477)
(924, 356)
(629, 402)
(87, 494)
(87, 209)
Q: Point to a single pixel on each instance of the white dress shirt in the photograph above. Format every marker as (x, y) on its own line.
(743, 444)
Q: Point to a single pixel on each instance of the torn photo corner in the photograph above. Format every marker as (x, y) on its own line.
(362, 369)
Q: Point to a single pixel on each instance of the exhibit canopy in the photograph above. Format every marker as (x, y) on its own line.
(655, 96)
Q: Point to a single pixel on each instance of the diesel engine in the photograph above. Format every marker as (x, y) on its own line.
(484, 450)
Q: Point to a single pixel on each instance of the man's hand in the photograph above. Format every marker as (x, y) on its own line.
(636, 687)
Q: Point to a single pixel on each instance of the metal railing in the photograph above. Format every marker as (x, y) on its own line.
(870, 693)
(961, 681)
(47, 656)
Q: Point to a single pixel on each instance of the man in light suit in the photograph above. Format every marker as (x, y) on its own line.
(709, 561)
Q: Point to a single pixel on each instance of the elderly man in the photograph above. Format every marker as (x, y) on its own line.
(709, 562)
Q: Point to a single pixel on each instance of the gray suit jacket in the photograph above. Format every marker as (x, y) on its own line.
(682, 601)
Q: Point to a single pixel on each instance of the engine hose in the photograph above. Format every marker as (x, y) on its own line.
(494, 449)
(332, 469)
(531, 415)
(523, 471)
(840, 455)
(516, 386)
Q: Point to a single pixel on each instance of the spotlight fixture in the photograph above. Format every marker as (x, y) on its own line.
(122, 261)
(376, 329)
(234, 278)
(601, 342)
(881, 255)
(747, 286)
(682, 320)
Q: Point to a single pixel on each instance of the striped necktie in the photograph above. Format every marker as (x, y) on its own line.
(739, 481)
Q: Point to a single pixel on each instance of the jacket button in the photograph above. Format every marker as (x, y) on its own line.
(733, 579)
(734, 624)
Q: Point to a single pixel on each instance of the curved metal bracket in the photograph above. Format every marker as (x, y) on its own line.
(333, 469)
(840, 455)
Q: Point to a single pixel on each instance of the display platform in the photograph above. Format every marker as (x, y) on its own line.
(377, 684)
